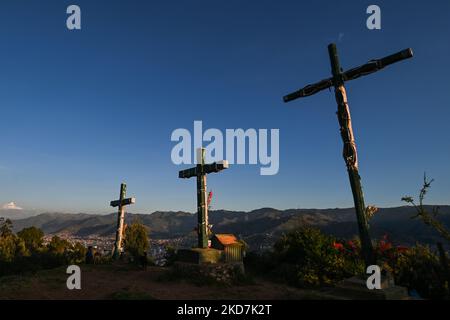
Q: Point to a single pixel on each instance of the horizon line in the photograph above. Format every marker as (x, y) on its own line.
(215, 210)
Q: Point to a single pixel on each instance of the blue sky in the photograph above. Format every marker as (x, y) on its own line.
(84, 110)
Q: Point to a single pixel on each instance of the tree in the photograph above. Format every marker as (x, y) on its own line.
(58, 245)
(136, 240)
(5, 227)
(33, 238)
(10, 245)
(78, 254)
(428, 218)
(7, 248)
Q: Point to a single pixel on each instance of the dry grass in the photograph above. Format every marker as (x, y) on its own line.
(126, 282)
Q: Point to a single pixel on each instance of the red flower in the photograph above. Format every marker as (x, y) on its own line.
(338, 246)
(351, 244)
(384, 246)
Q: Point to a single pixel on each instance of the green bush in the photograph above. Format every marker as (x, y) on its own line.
(136, 240)
(25, 252)
(419, 268)
(77, 254)
(32, 237)
(170, 256)
(11, 246)
(307, 257)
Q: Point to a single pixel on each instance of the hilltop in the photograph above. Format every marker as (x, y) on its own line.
(126, 282)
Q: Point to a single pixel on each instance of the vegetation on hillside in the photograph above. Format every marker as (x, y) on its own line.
(25, 251)
(304, 257)
(136, 242)
(307, 258)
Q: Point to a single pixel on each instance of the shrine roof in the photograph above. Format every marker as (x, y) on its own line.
(226, 239)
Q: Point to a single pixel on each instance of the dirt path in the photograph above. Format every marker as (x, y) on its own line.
(123, 282)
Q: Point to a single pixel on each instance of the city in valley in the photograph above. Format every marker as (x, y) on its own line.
(103, 246)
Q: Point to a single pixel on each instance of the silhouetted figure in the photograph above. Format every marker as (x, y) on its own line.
(97, 256)
(143, 260)
(90, 255)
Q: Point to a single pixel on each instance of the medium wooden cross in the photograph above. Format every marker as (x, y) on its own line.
(121, 203)
(343, 114)
(200, 171)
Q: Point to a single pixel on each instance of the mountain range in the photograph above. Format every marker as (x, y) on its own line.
(260, 228)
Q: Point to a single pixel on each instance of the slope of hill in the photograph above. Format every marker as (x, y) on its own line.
(257, 226)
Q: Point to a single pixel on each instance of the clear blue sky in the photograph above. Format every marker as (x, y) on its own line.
(82, 111)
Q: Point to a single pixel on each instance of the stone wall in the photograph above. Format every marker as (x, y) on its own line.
(223, 273)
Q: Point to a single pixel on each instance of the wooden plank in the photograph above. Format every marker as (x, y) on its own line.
(125, 202)
(188, 173)
(215, 167)
(366, 69)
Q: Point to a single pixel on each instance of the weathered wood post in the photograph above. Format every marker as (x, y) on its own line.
(350, 155)
(343, 114)
(202, 207)
(200, 171)
(121, 203)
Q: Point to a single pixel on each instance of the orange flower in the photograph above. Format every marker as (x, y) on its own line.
(384, 245)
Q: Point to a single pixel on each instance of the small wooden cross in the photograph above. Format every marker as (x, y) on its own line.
(200, 171)
(121, 203)
(343, 113)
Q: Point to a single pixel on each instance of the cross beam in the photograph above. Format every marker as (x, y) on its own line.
(366, 69)
(205, 169)
(200, 171)
(121, 203)
(343, 113)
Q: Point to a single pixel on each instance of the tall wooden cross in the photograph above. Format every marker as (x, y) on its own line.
(343, 114)
(121, 203)
(200, 171)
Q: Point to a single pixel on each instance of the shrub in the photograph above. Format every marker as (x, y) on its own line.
(306, 257)
(32, 237)
(24, 252)
(58, 246)
(419, 268)
(5, 227)
(170, 255)
(136, 240)
(77, 253)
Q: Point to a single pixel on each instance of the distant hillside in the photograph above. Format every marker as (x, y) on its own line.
(258, 227)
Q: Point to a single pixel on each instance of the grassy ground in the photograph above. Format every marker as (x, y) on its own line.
(127, 282)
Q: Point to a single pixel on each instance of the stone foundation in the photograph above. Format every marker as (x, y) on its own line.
(199, 255)
(356, 288)
(223, 273)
